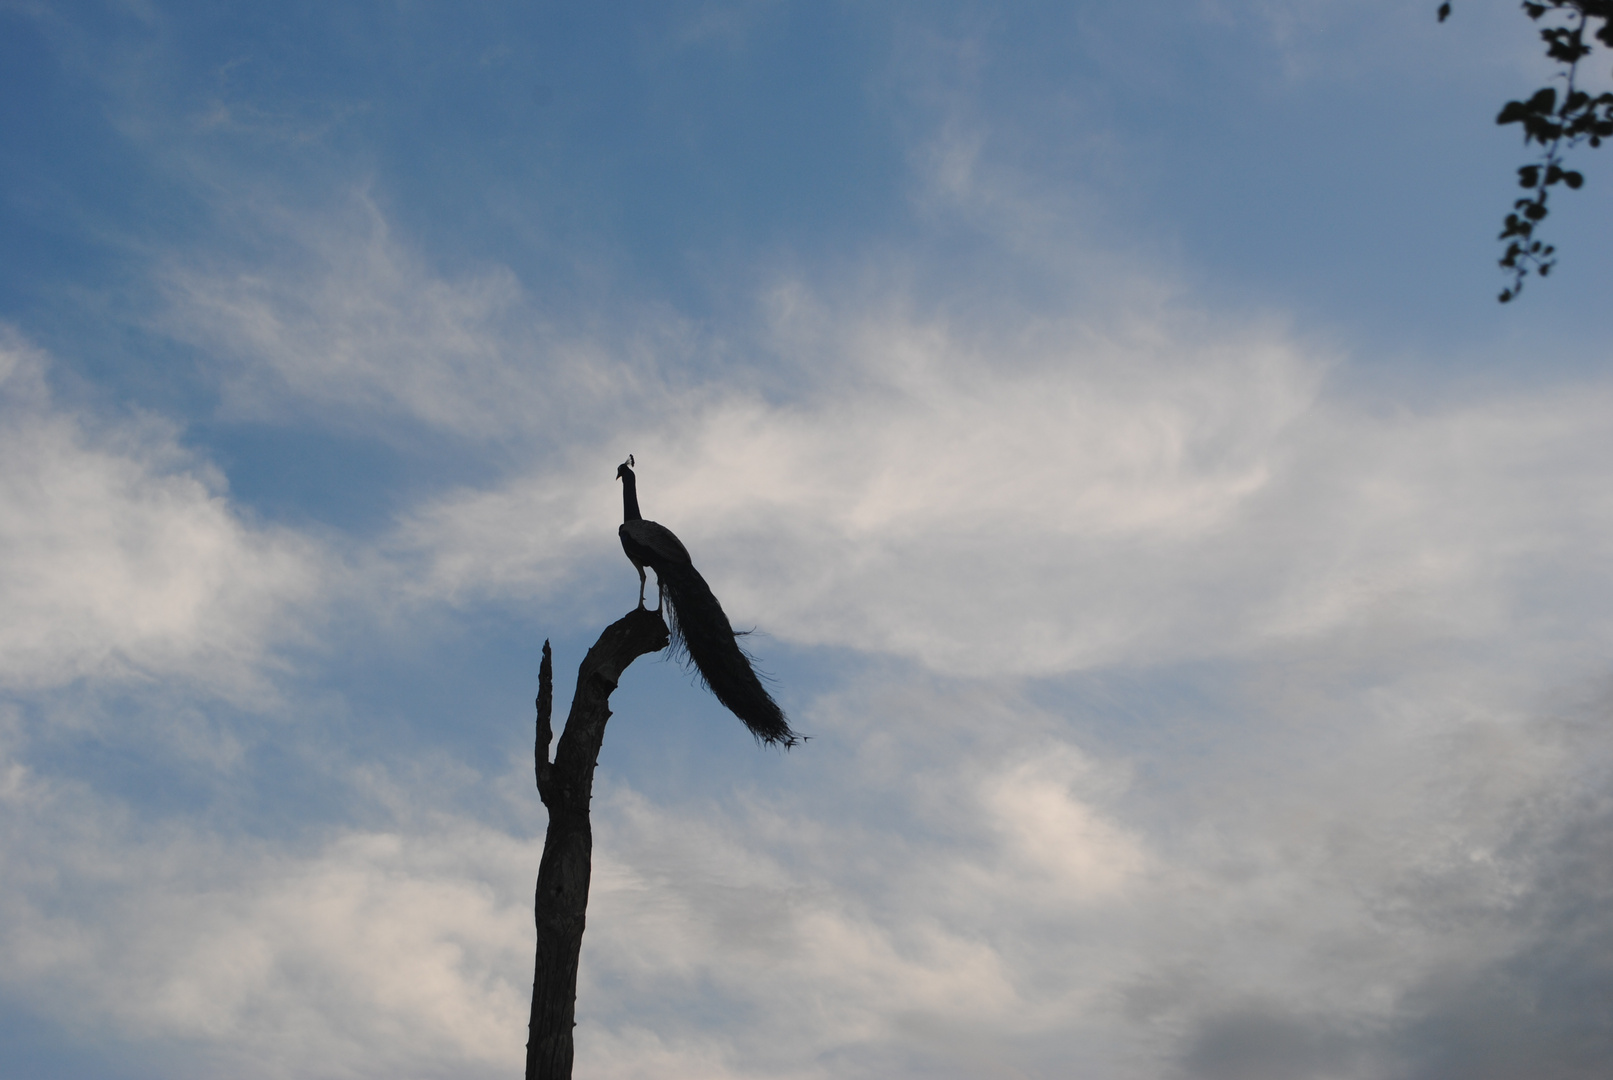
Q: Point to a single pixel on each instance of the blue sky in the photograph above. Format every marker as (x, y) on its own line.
(1194, 584)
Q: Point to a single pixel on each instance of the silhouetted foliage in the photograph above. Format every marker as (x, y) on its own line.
(1556, 123)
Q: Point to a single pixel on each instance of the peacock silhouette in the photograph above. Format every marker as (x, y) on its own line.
(697, 621)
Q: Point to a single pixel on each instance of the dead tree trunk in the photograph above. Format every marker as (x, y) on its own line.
(566, 786)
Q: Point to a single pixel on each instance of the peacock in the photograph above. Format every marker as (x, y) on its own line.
(697, 621)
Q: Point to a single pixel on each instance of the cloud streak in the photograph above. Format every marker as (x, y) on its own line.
(1064, 500)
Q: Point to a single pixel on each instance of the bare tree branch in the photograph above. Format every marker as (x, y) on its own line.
(566, 787)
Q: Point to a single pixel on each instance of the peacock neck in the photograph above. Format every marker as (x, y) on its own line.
(630, 497)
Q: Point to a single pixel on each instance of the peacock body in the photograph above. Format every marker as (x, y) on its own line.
(697, 621)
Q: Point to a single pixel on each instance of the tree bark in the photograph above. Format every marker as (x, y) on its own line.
(566, 787)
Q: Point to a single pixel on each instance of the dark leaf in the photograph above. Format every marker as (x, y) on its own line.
(1513, 112)
(1540, 130)
(1444, 12)
(1573, 179)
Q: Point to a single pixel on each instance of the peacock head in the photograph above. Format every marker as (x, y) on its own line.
(625, 469)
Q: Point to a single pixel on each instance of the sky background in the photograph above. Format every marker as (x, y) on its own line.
(1197, 589)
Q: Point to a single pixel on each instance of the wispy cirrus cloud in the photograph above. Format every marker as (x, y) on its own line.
(1063, 497)
(344, 321)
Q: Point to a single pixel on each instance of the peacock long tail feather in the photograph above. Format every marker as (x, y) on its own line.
(701, 627)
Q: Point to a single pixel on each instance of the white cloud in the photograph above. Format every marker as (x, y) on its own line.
(1326, 858)
(948, 883)
(1059, 500)
(988, 895)
(375, 951)
(337, 319)
(358, 324)
(1301, 871)
(122, 558)
(1055, 843)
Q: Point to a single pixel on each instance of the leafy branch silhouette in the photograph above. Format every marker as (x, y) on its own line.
(1556, 125)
